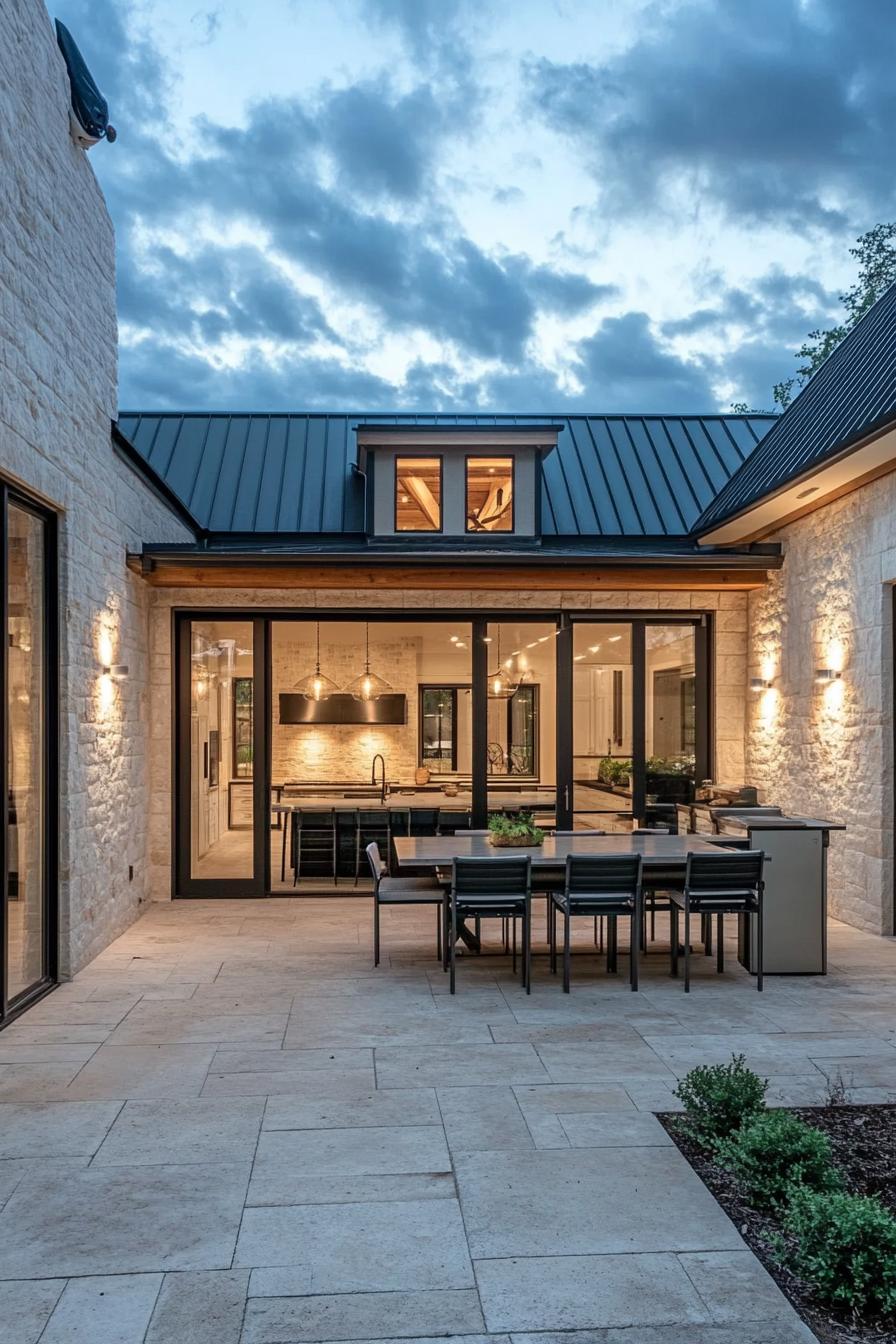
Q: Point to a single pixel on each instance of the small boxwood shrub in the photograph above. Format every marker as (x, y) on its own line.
(844, 1247)
(719, 1098)
(775, 1152)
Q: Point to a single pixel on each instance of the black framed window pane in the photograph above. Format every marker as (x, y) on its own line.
(602, 741)
(221, 808)
(670, 713)
(243, 727)
(522, 717)
(438, 728)
(26, 723)
(489, 494)
(418, 494)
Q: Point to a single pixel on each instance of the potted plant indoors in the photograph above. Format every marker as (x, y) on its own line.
(514, 832)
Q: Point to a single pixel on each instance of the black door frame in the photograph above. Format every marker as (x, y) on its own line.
(10, 1008)
(263, 618)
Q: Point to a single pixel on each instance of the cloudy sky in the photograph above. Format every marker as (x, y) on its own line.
(619, 205)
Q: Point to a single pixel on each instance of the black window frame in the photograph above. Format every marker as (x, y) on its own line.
(488, 531)
(454, 688)
(418, 531)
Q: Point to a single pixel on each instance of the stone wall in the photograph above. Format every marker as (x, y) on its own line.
(57, 396)
(829, 751)
(729, 609)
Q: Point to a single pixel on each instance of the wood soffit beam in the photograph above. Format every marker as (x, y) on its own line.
(578, 578)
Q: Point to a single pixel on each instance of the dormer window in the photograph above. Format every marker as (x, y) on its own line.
(418, 494)
(480, 483)
(489, 494)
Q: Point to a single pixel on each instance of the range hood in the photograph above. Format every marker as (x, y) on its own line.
(388, 709)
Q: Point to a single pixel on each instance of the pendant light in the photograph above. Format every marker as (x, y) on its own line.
(501, 685)
(316, 686)
(367, 685)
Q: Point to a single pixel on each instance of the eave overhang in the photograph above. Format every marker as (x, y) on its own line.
(865, 460)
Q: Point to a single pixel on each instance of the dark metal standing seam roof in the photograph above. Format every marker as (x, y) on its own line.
(610, 475)
(852, 394)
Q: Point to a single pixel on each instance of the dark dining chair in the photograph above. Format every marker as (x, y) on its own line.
(557, 883)
(491, 888)
(387, 890)
(599, 884)
(726, 883)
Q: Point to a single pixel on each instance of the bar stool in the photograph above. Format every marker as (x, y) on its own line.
(315, 833)
(371, 827)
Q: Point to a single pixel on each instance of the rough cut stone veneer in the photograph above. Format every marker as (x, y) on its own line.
(57, 396)
(829, 751)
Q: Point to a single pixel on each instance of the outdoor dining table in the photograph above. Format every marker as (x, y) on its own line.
(660, 854)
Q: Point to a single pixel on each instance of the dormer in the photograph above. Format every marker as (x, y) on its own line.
(476, 483)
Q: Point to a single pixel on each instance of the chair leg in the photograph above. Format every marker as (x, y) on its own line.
(453, 944)
(687, 944)
(612, 944)
(720, 942)
(634, 951)
(706, 933)
(552, 937)
(653, 919)
(673, 922)
(357, 855)
(759, 945)
(513, 941)
(284, 817)
(297, 855)
(376, 931)
(446, 932)
(439, 932)
(478, 927)
(567, 948)
(527, 950)
(335, 854)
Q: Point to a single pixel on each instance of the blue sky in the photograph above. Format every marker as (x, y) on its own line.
(618, 205)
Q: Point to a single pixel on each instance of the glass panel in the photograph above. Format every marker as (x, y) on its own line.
(670, 682)
(602, 726)
(25, 762)
(418, 494)
(489, 494)
(331, 757)
(243, 727)
(221, 804)
(522, 746)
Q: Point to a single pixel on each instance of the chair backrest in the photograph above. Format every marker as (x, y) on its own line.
(603, 874)
(566, 835)
(377, 867)
(492, 877)
(734, 870)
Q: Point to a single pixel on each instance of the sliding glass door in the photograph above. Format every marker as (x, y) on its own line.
(28, 838)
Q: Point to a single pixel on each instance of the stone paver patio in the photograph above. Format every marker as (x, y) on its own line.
(229, 1129)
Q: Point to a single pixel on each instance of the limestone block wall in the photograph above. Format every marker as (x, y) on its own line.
(829, 751)
(57, 395)
(729, 672)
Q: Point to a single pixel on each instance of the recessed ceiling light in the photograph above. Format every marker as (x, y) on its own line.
(454, 639)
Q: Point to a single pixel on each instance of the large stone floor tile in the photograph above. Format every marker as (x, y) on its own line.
(306, 1083)
(768, 1332)
(455, 1065)
(104, 1310)
(586, 1291)
(419, 1316)
(122, 1220)
(14, 1170)
(289, 1061)
(270, 1186)
(357, 1248)
(542, 1106)
(25, 1307)
(597, 1061)
(200, 1308)
(35, 1082)
(614, 1129)
(174, 1024)
(736, 1287)
(202, 1129)
(352, 1152)
(142, 1071)
(42, 1129)
(483, 1118)
(587, 1202)
(65, 1053)
(401, 1106)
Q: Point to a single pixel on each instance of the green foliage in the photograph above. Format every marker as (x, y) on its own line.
(844, 1246)
(719, 1098)
(774, 1153)
(519, 829)
(611, 771)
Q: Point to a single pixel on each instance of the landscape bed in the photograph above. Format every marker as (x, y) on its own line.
(863, 1144)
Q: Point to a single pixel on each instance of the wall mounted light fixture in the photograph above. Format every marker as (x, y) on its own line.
(825, 676)
(117, 671)
(760, 684)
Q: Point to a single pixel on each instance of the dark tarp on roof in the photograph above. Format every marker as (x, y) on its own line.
(610, 476)
(853, 393)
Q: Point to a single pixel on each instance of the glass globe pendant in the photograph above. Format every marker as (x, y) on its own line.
(367, 685)
(316, 686)
(501, 685)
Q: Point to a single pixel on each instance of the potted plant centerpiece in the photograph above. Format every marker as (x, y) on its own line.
(514, 832)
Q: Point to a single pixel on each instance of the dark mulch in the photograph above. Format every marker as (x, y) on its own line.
(864, 1143)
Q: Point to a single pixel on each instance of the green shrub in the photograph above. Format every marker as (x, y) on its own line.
(719, 1098)
(844, 1247)
(776, 1152)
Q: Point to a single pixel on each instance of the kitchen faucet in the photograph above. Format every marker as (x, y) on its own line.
(384, 786)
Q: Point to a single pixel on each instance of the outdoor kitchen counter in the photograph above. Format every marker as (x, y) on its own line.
(398, 801)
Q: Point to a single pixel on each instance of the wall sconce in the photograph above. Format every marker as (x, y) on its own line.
(760, 684)
(117, 671)
(826, 676)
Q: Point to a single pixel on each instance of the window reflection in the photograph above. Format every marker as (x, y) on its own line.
(418, 494)
(490, 494)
